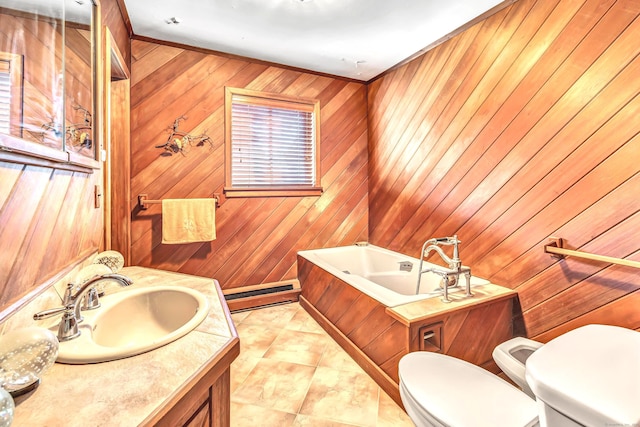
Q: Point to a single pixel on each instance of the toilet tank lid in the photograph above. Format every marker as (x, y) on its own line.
(590, 374)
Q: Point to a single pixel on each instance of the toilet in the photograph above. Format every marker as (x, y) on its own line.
(589, 376)
(439, 390)
(511, 357)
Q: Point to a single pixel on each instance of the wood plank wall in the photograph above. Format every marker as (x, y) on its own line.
(257, 238)
(522, 127)
(47, 222)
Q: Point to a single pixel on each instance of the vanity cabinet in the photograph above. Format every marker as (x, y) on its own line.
(207, 403)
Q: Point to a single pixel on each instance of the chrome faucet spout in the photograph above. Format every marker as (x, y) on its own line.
(76, 298)
(68, 328)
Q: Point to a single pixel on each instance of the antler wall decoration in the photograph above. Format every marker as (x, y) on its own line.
(77, 135)
(180, 142)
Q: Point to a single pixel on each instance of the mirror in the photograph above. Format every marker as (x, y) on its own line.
(32, 71)
(78, 65)
(47, 78)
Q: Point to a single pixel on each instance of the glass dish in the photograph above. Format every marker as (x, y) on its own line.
(24, 355)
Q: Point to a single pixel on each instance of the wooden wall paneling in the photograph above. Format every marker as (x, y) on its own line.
(11, 173)
(406, 188)
(619, 241)
(341, 196)
(39, 237)
(120, 159)
(554, 121)
(499, 136)
(585, 296)
(255, 235)
(539, 142)
(582, 159)
(260, 235)
(429, 80)
(498, 83)
(118, 23)
(411, 126)
(309, 226)
(611, 173)
(621, 312)
(589, 224)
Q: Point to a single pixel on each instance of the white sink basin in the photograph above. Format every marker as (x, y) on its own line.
(133, 322)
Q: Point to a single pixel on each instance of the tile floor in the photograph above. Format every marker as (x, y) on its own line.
(291, 373)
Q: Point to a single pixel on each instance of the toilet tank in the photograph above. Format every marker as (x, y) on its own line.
(590, 375)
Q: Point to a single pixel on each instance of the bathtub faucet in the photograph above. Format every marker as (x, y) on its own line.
(450, 276)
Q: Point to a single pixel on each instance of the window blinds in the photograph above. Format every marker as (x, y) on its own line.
(5, 98)
(272, 144)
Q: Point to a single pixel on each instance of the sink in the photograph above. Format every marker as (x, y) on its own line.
(134, 321)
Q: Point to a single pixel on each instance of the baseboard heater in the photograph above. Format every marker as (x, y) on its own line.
(245, 294)
(262, 295)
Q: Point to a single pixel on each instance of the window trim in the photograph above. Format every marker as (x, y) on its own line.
(280, 101)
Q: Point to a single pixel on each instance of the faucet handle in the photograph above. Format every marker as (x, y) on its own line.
(50, 312)
(91, 300)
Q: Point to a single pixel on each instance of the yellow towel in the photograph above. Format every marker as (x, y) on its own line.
(188, 220)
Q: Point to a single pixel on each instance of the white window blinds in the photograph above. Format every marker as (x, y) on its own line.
(5, 97)
(273, 143)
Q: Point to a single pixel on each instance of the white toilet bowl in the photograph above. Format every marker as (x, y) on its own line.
(511, 357)
(440, 390)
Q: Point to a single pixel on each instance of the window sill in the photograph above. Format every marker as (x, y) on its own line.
(16, 150)
(273, 192)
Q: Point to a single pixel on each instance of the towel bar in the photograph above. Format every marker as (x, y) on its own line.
(555, 249)
(144, 201)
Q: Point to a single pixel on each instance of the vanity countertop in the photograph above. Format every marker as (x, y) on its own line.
(137, 390)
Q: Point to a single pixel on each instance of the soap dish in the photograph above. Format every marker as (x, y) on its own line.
(112, 259)
(24, 355)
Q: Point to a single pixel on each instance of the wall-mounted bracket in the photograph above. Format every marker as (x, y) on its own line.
(554, 242)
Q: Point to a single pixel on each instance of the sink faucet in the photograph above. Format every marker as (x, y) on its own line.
(450, 275)
(68, 328)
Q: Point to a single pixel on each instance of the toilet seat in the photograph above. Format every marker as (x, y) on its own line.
(511, 355)
(441, 390)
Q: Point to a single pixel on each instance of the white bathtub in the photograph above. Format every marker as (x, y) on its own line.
(376, 272)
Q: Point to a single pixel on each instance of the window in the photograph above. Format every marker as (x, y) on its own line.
(271, 145)
(10, 94)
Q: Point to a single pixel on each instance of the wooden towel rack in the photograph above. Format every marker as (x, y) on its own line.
(556, 249)
(144, 201)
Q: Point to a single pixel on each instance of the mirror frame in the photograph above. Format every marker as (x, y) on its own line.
(18, 150)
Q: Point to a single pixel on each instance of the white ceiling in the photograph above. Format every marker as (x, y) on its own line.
(358, 39)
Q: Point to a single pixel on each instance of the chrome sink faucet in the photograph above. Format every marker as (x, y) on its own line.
(450, 276)
(68, 328)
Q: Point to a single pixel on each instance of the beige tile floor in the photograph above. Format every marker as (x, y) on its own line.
(291, 373)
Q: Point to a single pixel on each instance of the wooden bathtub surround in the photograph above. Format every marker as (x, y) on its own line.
(377, 336)
(184, 383)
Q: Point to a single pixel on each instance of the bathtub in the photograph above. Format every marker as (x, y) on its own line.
(386, 276)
